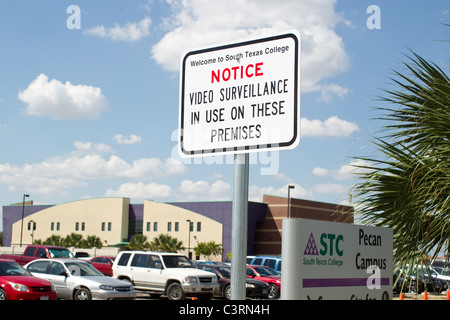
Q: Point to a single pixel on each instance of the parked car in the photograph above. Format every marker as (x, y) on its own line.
(16, 283)
(163, 273)
(82, 255)
(76, 279)
(441, 263)
(267, 275)
(254, 288)
(268, 261)
(103, 264)
(442, 273)
(431, 279)
(418, 280)
(33, 252)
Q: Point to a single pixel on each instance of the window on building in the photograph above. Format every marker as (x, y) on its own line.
(176, 226)
(199, 226)
(149, 226)
(191, 226)
(52, 226)
(57, 226)
(109, 226)
(77, 225)
(169, 226)
(82, 226)
(103, 226)
(155, 226)
(31, 225)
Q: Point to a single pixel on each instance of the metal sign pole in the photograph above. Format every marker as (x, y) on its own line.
(239, 227)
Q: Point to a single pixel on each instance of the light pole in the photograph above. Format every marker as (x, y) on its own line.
(289, 200)
(189, 239)
(23, 212)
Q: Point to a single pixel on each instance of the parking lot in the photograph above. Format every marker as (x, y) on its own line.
(418, 297)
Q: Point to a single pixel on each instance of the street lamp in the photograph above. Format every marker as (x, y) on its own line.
(189, 239)
(23, 212)
(289, 200)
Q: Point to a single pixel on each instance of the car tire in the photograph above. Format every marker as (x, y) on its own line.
(227, 292)
(175, 292)
(274, 293)
(82, 294)
(2, 295)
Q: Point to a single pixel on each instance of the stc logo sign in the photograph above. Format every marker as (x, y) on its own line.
(330, 244)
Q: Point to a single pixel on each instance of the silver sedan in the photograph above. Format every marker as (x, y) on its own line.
(79, 280)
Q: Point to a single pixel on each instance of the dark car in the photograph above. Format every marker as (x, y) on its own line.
(417, 282)
(267, 275)
(103, 264)
(16, 283)
(254, 288)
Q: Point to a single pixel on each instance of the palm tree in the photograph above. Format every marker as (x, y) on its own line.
(91, 242)
(138, 242)
(408, 188)
(166, 243)
(73, 240)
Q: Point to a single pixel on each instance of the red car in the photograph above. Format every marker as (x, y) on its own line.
(267, 275)
(103, 264)
(16, 283)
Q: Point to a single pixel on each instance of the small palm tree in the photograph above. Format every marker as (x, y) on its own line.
(91, 242)
(166, 243)
(138, 242)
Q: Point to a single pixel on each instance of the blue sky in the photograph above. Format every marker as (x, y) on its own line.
(89, 102)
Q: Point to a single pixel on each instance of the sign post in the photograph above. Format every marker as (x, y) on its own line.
(238, 98)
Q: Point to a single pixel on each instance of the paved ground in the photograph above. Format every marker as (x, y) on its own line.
(430, 296)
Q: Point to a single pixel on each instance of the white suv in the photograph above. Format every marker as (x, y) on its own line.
(161, 273)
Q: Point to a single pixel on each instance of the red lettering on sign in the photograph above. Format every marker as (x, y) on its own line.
(238, 72)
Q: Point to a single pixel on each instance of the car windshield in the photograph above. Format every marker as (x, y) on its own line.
(225, 272)
(82, 269)
(443, 271)
(177, 262)
(266, 271)
(60, 253)
(12, 269)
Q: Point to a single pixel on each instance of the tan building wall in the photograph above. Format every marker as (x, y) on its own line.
(106, 218)
(167, 217)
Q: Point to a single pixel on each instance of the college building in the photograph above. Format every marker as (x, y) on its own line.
(115, 221)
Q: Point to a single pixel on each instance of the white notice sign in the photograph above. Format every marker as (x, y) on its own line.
(241, 97)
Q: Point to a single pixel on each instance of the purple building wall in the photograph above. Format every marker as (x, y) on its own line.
(12, 214)
(222, 212)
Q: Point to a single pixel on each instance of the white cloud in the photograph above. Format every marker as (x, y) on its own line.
(62, 100)
(89, 148)
(329, 91)
(332, 127)
(88, 162)
(141, 191)
(132, 31)
(131, 139)
(188, 190)
(197, 23)
(345, 172)
(203, 190)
